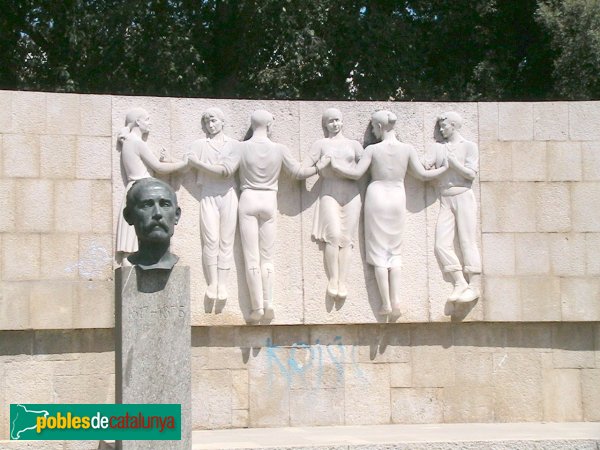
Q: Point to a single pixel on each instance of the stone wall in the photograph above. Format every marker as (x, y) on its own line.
(527, 350)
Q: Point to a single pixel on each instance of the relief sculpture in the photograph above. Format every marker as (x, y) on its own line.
(385, 203)
(338, 209)
(218, 203)
(458, 207)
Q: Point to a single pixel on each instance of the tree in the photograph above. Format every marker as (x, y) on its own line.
(574, 28)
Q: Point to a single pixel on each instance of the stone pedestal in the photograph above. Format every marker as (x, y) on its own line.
(153, 344)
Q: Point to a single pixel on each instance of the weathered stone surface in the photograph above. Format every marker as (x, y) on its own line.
(417, 405)
(580, 299)
(564, 161)
(590, 155)
(553, 207)
(540, 298)
(36, 205)
(507, 207)
(517, 382)
(498, 253)
(57, 156)
(583, 117)
(562, 395)
(62, 113)
(515, 121)
(21, 154)
(24, 248)
(495, 161)
(551, 121)
(583, 195)
(529, 161)
(590, 380)
(532, 253)
(153, 360)
(573, 346)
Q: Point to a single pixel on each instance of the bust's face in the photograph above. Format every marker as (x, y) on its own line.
(154, 213)
(446, 128)
(213, 125)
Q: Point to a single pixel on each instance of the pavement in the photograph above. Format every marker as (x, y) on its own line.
(472, 436)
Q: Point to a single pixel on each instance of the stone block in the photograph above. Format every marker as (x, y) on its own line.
(225, 358)
(14, 305)
(417, 405)
(57, 156)
(529, 161)
(29, 112)
(590, 390)
(239, 418)
(76, 192)
(269, 393)
(585, 217)
(488, 121)
(79, 388)
(62, 113)
(592, 250)
(473, 367)
(51, 305)
(553, 207)
(384, 345)
(580, 299)
(495, 161)
(564, 161)
(432, 366)
(479, 337)
(590, 158)
(562, 395)
(290, 335)
(21, 155)
(6, 113)
(517, 382)
(239, 384)
(498, 253)
(367, 381)
(551, 121)
(540, 298)
(583, 120)
(567, 254)
(573, 346)
(532, 254)
(59, 256)
(101, 209)
(515, 121)
(400, 375)
(316, 407)
(36, 205)
(94, 157)
(95, 257)
(211, 399)
(20, 257)
(8, 218)
(464, 403)
(502, 301)
(94, 307)
(38, 388)
(507, 207)
(95, 115)
(153, 320)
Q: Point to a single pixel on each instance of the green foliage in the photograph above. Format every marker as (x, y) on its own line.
(303, 49)
(574, 27)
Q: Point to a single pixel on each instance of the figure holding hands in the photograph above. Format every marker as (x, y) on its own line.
(458, 207)
(218, 203)
(338, 210)
(137, 162)
(385, 203)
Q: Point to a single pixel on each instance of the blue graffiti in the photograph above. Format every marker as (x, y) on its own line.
(304, 363)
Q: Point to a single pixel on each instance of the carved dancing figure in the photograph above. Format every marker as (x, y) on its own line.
(458, 207)
(338, 210)
(137, 162)
(385, 203)
(218, 203)
(259, 161)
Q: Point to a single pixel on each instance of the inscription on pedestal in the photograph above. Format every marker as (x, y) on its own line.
(153, 354)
